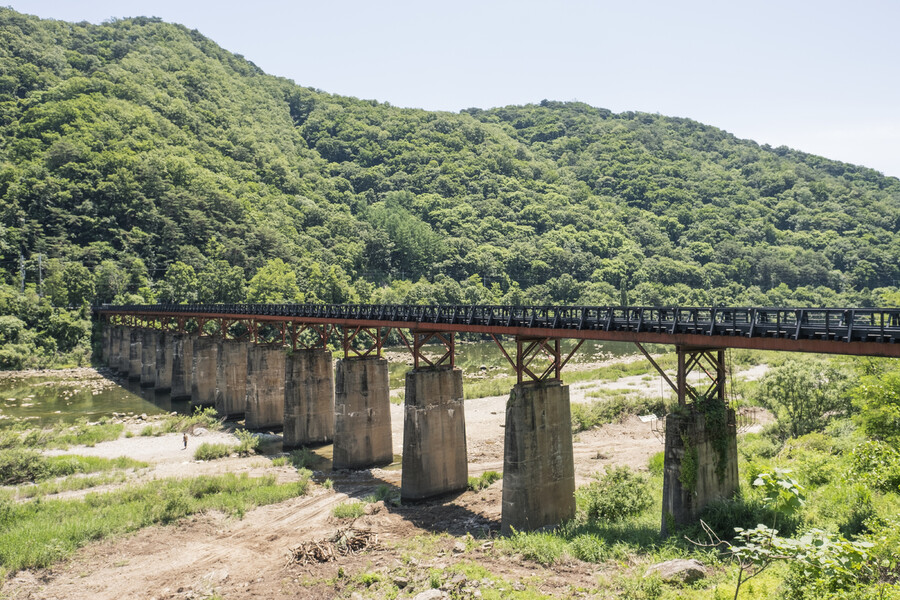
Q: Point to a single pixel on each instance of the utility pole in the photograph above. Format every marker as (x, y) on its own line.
(40, 277)
(22, 271)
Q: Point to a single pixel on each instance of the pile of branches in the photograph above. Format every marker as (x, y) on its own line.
(343, 543)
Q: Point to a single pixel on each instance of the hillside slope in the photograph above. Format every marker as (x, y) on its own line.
(138, 158)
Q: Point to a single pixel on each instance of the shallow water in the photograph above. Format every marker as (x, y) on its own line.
(65, 397)
(54, 398)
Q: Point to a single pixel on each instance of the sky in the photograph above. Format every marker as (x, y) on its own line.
(818, 76)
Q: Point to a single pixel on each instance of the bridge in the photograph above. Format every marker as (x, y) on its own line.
(232, 356)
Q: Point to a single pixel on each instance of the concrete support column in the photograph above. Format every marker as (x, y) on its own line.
(123, 342)
(265, 387)
(182, 365)
(115, 341)
(135, 363)
(308, 398)
(435, 461)
(148, 358)
(163, 361)
(203, 371)
(231, 378)
(362, 414)
(106, 332)
(700, 466)
(538, 463)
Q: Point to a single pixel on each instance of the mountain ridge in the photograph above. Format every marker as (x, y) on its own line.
(143, 157)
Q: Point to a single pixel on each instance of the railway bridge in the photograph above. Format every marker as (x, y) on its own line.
(272, 364)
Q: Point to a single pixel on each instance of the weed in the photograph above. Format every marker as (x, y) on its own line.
(328, 484)
(620, 493)
(657, 464)
(207, 451)
(483, 481)
(349, 510)
(280, 461)
(37, 534)
(247, 442)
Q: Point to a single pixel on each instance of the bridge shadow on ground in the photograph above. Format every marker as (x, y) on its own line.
(448, 513)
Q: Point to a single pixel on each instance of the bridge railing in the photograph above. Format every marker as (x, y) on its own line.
(841, 324)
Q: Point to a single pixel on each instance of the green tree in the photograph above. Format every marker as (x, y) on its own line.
(804, 393)
(220, 282)
(70, 285)
(275, 282)
(180, 285)
(878, 399)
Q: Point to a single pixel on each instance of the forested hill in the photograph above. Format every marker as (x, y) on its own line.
(138, 158)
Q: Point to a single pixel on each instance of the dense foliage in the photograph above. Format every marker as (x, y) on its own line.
(140, 160)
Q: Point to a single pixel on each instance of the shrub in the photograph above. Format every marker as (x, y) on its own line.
(248, 443)
(877, 464)
(349, 510)
(878, 399)
(804, 394)
(620, 493)
(657, 464)
(476, 484)
(20, 465)
(207, 451)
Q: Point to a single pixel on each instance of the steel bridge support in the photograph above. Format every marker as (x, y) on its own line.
(700, 463)
(538, 460)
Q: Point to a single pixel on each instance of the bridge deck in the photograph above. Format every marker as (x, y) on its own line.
(852, 331)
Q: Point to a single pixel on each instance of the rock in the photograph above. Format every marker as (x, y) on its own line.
(374, 508)
(459, 547)
(200, 431)
(679, 569)
(401, 582)
(430, 595)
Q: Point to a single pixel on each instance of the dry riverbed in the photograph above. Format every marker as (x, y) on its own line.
(211, 554)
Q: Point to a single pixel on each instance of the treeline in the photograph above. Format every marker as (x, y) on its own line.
(139, 161)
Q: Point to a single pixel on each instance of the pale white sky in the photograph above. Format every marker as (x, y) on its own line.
(820, 76)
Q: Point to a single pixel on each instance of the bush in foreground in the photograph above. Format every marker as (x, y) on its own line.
(619, 494)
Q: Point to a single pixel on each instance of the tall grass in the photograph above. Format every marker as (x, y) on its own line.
(37, 534)
(21, 465)
(207, 451)
(60, 436)
(57, 486)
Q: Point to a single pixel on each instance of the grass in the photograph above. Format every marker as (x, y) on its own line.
(616, 406)
(201, 417)
(349, 510)
(61, 436)
(476, 484)
(207, 451)
(23, 465)
(247, 442)
(38, 534)
(57, 486)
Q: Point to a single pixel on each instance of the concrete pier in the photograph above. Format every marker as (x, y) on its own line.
(362, 415)
(182, 365)
(135, 363)
(163, 361)
(231, 378)
(308, 398)
(203, 371)
(538, 464)
(148, 358)
(694, 474)
(434, 434)
(106, 334)
(265, 387)
(115, 347)
(124, 344)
